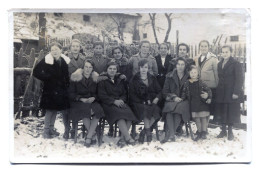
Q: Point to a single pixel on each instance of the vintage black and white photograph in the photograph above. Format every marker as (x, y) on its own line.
(130, 86)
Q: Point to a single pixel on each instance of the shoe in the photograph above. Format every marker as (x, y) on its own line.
(167, 138)
(110, 132)
(87, 142)
(203, 135)
(93, 139)
(129, 142)
(179, 131)
(148, 134)
(72, 134)
(230, 135)
(66, 135)
(54, 132)
(46, 134)
(199, 134)
(141, 136)
(121, 143)
(222, 134)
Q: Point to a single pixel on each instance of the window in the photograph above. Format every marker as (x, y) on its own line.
(86, 18)
(144, 35)
(58, 14)
(234, 38)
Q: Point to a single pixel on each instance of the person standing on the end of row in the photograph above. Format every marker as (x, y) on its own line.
(145, 48)
(207, 64)
(229, 93)
(53, 71)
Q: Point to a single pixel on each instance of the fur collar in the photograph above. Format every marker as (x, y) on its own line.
(50, 60)
(78, 75)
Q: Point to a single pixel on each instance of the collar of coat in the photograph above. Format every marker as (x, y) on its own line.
(137, 77)
(138, 55)
(50, 60)
(209, 56)
(70, 55)
(78, 76)
(117, 78)
(230, 61)
(173, 75)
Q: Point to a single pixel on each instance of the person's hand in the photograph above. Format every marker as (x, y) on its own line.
(234, 96)
(177, 99)
(148, 102)
(204, 95)
(119, 103)
(91, 100)
(84, 100)
(122, 76)
(155, 101)
(208, 101)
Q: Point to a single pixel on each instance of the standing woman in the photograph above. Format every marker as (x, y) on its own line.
(99, 59)
(53, 71)
(229, 93)
(113, 95)
(175, 108)
(162, 61)
(144, 94)
(144, 47)
(207, 64)
(84, 103)
(121, 61)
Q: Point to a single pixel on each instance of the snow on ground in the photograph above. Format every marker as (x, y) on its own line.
(29, 146)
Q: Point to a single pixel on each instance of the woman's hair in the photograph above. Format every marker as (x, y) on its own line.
(183, 44)
(113, 50)
(181, 59)
(203, 41)
(55, 44)
(143, 42)
(98, 43)
(193, 67)
(227, 46)
(75, 40)
(112, 63)
(142, 62)
(90, 62)
(165, 45)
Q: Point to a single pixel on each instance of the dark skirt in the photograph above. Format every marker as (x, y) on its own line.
(181, 108)
(80, 110)
(114, 113)
(212, 106)
(148, 111)
(228, 113)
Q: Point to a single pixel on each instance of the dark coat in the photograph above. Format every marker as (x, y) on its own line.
(124, 67)
(172, 88)
(108, 92)
(55, 78)
(100, 63)
(197, 103)
(139, 94)
(230, 82)
(162, 68)
(85, 88)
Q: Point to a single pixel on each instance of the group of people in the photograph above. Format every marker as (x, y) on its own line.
(126, 91)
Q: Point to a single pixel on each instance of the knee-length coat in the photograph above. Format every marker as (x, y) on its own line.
(108, 92)
(140, 93)
(55, 77)
(85, 88)
(173, 88)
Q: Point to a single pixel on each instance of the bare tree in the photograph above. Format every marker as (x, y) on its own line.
(169, 19)
(120, 24)
(152, 17)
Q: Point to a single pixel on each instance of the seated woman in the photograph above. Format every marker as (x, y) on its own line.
(113, 95)
(144, 93)
(83, 100)
(175, 109)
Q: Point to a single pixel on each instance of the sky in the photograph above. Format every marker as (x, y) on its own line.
(194, 27)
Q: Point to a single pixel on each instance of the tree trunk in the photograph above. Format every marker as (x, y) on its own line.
(168, 16)
(42, 30)
(152, 17)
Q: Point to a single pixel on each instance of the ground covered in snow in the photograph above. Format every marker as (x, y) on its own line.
(29, 146)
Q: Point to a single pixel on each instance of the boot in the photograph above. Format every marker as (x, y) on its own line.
(46, 134)
(54, 132)
(72, 133)
(199, 134)
(149, 136)
(230, 133)
(223, 132)
(166, 138)
(66, 135)
(141, 136)
(66, 123)
(111, 131)
(203, 135)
